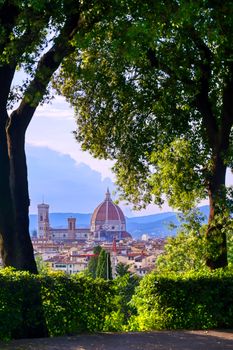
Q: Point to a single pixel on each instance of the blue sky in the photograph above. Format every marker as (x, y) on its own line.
(60, 173)
(67, 178)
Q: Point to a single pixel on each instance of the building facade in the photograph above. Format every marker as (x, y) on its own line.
(70, 233)
(107, 223)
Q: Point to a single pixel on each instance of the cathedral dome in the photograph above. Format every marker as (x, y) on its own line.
(107, 211)
(108, 220)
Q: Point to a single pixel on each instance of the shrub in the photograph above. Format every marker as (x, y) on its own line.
(69, 304)
(118, 319)
(79, 303)
(21, 313)
(191, 301)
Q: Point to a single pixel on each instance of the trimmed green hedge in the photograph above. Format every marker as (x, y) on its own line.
(189, 301)
(69, 304)
(74, 304)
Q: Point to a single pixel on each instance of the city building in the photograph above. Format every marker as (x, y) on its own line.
(107, 223)
(71, 233)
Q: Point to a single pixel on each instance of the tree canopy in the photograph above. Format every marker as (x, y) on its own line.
(153, 89)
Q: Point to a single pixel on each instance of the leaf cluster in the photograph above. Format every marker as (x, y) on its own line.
(70, 304)
(195, 300)
(136, 81)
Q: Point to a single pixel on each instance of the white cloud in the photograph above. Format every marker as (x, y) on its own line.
(65, 185)
(52, 126)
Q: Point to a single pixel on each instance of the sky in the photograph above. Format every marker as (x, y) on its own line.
(64, 176)
(60, 173)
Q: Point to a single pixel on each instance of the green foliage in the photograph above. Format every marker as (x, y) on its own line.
(20, 304)
(104, 268)
(79, 303)
(230, 248)
(42, 267)
(177, 175)
(100, 265)
(70, 304)
(187, 250)
(190, 301)
(136, 104)
(93, 262)
(75, 304)
(119, 318)
(122, 269)
(166, 122)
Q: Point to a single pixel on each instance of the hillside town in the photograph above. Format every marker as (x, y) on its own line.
(70, 249)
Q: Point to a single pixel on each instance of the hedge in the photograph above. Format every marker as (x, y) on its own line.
(69, 304)
(74, 304)
(189, 301)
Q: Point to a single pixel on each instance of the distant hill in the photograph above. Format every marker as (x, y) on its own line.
(157, 225)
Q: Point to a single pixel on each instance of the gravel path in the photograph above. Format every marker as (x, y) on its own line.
(160, 340)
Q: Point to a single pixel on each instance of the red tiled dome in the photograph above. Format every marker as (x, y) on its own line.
(107, 211)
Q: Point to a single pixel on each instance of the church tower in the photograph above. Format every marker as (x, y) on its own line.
(43, 221)
(71, 228)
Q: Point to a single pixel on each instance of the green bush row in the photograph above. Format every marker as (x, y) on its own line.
(194, 300)
(69, 304)
(74, 304)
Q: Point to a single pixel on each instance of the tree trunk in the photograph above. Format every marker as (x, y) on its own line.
(8, 228)
(7, 224)
(16, 246)
(23, 249)
(216, 237)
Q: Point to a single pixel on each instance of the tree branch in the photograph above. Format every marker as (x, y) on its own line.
(202, 101)
(47, 65)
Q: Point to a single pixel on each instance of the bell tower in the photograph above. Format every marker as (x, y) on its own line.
(43, 220)
(71, 228)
